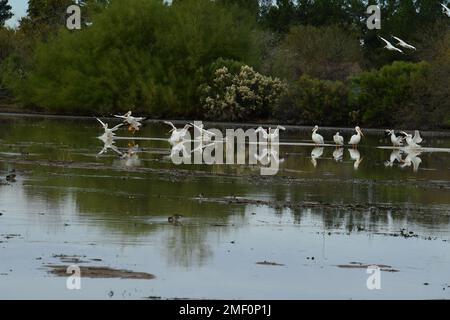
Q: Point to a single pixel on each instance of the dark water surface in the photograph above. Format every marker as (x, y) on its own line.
(316, 218)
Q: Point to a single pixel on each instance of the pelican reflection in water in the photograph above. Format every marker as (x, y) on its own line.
(268, 155)
(396, 156)
(412, 159)
(108, 144)
(338, 154)
(355, 155)
(316, 153)
(131, 157)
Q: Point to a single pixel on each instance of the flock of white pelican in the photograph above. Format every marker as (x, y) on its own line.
(337, 138)
(178, 136)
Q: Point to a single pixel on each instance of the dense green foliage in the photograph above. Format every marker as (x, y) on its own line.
(325, 53)
(141, 53)
(314, 101)
(381, 94)
(160, 60)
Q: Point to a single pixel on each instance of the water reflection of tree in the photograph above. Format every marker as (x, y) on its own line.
(135, 208)
(128, 202)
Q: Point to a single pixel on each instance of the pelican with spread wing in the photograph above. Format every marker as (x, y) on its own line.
(134, 123)
(413, 142)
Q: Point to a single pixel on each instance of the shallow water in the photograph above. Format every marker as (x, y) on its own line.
(311, 218)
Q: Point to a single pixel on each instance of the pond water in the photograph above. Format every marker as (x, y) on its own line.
(307, 233)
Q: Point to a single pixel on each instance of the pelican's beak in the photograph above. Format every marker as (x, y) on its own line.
(361, 132)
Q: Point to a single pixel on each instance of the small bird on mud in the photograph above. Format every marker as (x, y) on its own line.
(11, 176)
(175, 218)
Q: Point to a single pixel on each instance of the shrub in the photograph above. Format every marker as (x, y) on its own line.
(243, 96)
(313, 101)
(380, 95)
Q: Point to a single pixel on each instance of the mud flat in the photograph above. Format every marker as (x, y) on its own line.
(101, 272)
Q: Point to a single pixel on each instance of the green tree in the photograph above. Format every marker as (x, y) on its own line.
(321, 52)
(45, 17)
(5, 12)
(140, 53)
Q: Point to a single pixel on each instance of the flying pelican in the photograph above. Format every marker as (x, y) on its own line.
(338, 139)
(356, 139)
(338, 154)
(177, 134)
(413, 142)
(317, 138)
(396, 155)
(446, 10)
(390, 47)
(109, 133)
(316, 153)
(355, 155)
(133, 122)
(403, 44)
(396, 141)
(412, 158)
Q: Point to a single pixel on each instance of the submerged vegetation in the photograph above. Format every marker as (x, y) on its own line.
(304, 62)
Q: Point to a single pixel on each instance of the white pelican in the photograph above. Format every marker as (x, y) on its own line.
(133, 122)
(396, 155)
(412, 158)
(270, 135)
(396, 141)
(390, 47)
(338, 154)
(355, 155)
(316, 153)
(317, 138)
(109, 133)
(338, 139)
(205, 134)
(403, 44)
(446, 10)
(356, 139)
(177, 134)
(413, 142)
